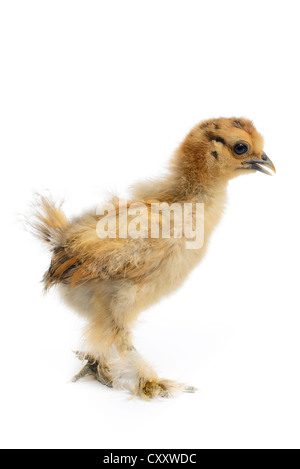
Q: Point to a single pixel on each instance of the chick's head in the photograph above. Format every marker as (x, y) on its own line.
(221, 149)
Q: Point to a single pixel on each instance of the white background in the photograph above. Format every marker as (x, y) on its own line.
(94, 96)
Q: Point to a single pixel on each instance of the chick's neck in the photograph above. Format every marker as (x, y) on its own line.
(187, 181)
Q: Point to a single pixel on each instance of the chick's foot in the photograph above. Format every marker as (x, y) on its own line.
(149, 389)
(94, 368)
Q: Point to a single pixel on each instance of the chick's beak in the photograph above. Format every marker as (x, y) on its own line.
(259, 164)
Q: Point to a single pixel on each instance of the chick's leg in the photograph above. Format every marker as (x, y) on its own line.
(123, 368)
(130, 372)
(99, 336)
(111, 357)
(98, 367)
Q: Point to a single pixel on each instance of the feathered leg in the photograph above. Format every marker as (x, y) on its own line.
(130, 372)
(113, 360)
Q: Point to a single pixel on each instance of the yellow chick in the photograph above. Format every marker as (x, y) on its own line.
(113, 262)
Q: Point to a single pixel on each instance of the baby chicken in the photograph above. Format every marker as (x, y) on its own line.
(109, 279)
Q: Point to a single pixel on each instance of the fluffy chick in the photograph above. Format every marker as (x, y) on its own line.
(110, 281)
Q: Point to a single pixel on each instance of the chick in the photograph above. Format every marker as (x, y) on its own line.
(109, 279)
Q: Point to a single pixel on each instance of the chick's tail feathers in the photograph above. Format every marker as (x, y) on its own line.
(48, 222)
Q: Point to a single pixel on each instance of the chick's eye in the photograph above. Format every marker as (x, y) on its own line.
(240, 148)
